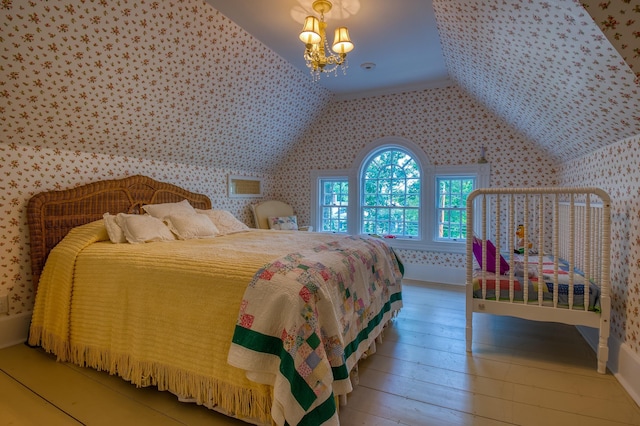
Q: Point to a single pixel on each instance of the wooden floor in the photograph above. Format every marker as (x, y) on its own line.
(520, 372)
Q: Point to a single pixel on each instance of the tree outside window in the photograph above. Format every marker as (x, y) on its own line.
(334, 205)
(391, 194)
(452, 206)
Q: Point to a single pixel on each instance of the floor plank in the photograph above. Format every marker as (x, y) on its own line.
(39, 408)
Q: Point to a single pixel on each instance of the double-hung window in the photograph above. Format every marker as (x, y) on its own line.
(334, 204)
(451, 206)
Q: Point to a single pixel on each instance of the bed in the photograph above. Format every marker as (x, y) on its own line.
(265, 326)
(540, 254)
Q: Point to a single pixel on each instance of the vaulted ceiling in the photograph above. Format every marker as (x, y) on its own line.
(543, 66)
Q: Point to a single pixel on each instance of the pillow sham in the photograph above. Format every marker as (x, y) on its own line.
(143, 228)
(491, 256)
(283, 223)
(116, 234)
(169, 209)
(224, 221)
(187, 227)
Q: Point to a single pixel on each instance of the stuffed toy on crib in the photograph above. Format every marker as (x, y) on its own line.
(521, 244)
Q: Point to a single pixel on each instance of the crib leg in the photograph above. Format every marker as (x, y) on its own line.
(603, 356)
(469, 319)
(469, 330)
(603, 349)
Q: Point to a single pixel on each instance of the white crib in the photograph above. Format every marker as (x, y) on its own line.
(563, 274)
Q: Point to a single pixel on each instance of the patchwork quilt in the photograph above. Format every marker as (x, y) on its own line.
(306, 318)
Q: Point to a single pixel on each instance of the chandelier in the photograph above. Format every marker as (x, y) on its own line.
(316, 46)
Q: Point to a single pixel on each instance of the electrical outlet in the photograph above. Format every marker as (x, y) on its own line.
(4, 304)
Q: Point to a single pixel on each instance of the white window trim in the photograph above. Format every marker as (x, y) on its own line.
(482, 173)
(427, 240)
(316, 177)
(425, 173)
(450, 177)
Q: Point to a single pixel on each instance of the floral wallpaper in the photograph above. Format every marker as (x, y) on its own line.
(161, 80)
(545, 68)
(619, 20)
(615, 169)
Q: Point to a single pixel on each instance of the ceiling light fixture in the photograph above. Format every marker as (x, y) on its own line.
(316, 47)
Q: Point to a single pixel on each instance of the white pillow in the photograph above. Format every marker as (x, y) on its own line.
(169, 209)
(142, 228)
(283, 223)
(224, 221)
(116, 234)
(191, 226)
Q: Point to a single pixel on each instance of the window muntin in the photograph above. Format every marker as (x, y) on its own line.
(391, 188)
(334, 204)
(451, 206)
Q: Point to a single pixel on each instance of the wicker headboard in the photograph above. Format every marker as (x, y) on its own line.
(51, 215)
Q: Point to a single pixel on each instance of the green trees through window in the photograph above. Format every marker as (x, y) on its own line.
(452, 206)
(391, 194)
(334, 204)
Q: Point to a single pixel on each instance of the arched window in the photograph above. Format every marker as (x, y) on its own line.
(391, 194)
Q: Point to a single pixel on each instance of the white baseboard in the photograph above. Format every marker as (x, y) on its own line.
(433, 273)
(623, 362)
(14, 329)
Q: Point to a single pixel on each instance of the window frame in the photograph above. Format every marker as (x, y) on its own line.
(481, 173)
(322, 206)
(439, 208)
(428, 240)
(362, 183)
(317, 178)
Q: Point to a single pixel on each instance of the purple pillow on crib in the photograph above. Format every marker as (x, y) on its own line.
(491, 256)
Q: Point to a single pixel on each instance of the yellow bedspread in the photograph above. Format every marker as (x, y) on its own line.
(159, 313)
